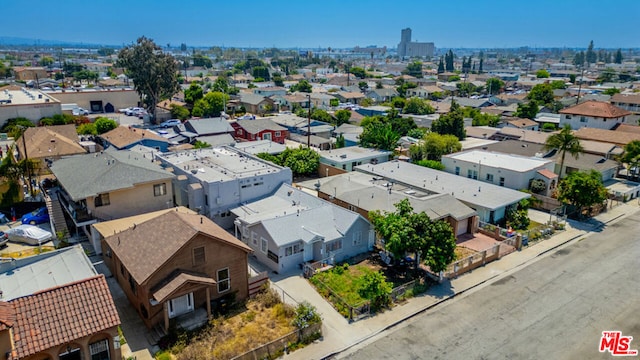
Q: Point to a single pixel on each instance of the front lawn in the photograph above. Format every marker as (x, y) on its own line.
(343, 282)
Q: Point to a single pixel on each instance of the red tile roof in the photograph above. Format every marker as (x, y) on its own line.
(596, 109)
(59, 315)
(547, 173)
(7, 315)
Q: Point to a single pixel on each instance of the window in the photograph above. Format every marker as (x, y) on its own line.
(501, 181)
(344, 166)
(583, 119)
(102, 200)
(357, 238)
(472, 174)
(254, 238)
(99, 350)
(206, 199)
(457, 170)
(133, 286)
(292, 249)
(352, 208)
(490, 177)
(334, 246)
(223, 280)
(264, 245)
(278, 134)
(568, 117)
(199, 257)
(160, 189)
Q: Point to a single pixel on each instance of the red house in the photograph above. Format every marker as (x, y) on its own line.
(260, 129)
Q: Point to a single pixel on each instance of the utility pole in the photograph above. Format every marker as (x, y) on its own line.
(26, 159)
(580, 85)
(309, 121)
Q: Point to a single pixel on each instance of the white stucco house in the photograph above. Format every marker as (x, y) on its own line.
(593, 114)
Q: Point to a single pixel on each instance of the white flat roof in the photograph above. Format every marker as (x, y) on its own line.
(500, 160)
(25, 97)
(352, 153)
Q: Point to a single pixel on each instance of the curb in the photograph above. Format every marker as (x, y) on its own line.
(450, 297)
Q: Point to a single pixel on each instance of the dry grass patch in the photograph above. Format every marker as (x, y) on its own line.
(27, 252)
(463, 252)
(264, 320)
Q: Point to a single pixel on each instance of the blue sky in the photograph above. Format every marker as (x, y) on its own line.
(329, 23)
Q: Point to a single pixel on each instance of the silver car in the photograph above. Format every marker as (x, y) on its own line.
(29, 234)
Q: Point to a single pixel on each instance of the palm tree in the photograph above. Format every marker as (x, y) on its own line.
(564, 141)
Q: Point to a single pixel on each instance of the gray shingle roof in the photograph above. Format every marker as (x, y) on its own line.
(257, 125)
(209, 126)
(88, 175)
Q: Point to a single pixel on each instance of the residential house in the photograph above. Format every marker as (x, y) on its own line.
(511, 171)
(629, 102)
(270, 91)
(125, 137)
(215, 180)
(23, 73)
(382, 95)
(257, 104)
(288, 102)
(48, 143)
(351, 134)
(175, 264)
(321, 100)
(587, 162)
(620, 138)
(209, 126)
(110, 185)
(468, 102)
(260, 129)
(423, 92)
(362, 193)
(56, 306)
(374, 110)
(347, 158)
(491, 202)
(350, 97)
(523, 124)
(593, 114)
(291, 227)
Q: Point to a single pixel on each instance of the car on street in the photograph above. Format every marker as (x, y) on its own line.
(29, 234)
(4, 239)
(170, 123)
(133, 111)
(37, 216)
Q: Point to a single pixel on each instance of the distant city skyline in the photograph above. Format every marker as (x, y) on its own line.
(329, 23)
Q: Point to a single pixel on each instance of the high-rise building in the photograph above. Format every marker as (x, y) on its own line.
(407, 48)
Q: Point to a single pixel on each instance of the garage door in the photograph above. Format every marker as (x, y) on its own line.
(463, 225)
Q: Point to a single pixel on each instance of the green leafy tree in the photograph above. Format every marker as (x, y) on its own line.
(564, 142)
(261, 72)
(363, 85)
(417, 133)
(441, 66)
(542, 74)
(404, 86)
(582, 189)
(379, 135)
(541, 94)
(212, 104)
(306, 315)
(154, 73)
(301, 161)
(590, 55)
(87, 129)
(193, 93)
(418, 106)
(572, 78)
(302, 86)
(342, 116)
(548, 127)
(14, 127)
(558, 84)
(448, 61)
(201, 60)
(201, 145)
(450, 123)
(321, 115)
(611, 91)
(340, 141)
(278, 80)
(466, 88)
(405, 231)
(414, 69)
(398, 102)
(374, 287)
(104, 125)
(579, 59)
(435, 145)
(432, 164)
(179, 112)
(527, 111)
(358, 72)
(479, 118)
(453, 78)
(46, 61)
(631, 157)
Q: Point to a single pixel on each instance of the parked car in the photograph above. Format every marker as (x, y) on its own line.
(170, 123)
(38, 216)
(134, 111)
(4, 239)
(79, 111)
(29, 234)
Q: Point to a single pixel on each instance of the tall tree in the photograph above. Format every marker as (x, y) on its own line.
(591, 56)
(451, 123)
(441, 66)
(579, 59)
(527, 110)
(631, 157)
(379, 135)
(153, 72)
(582, 189)
(414, 69)
(564, 142)
(494, 85)
(618, 58)
(480, 69)
(193, 93)
(448, 61)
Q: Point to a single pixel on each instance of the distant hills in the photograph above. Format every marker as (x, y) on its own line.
(18, 41)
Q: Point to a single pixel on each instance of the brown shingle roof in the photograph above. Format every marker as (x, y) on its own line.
(610, 136)
(596, 109)
(60, 315)
(547, 173)
(122, 136)
(626, 98)
(50, 141)
(147, 246)
(178, 280)
(628, 128)
(521, 123)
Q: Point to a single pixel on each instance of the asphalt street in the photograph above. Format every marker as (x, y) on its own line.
(555, 308)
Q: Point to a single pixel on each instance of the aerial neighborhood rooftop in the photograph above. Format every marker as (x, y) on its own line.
(141, 199)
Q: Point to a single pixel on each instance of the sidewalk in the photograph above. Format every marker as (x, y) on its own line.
(339, 335)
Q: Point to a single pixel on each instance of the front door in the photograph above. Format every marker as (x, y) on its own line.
(180, 305)
(266, 136)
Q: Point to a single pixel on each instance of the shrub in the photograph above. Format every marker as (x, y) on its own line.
(306, 315)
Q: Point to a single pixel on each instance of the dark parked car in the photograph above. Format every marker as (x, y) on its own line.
(37, 216)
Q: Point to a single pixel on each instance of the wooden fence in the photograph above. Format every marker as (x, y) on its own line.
(256, 283)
